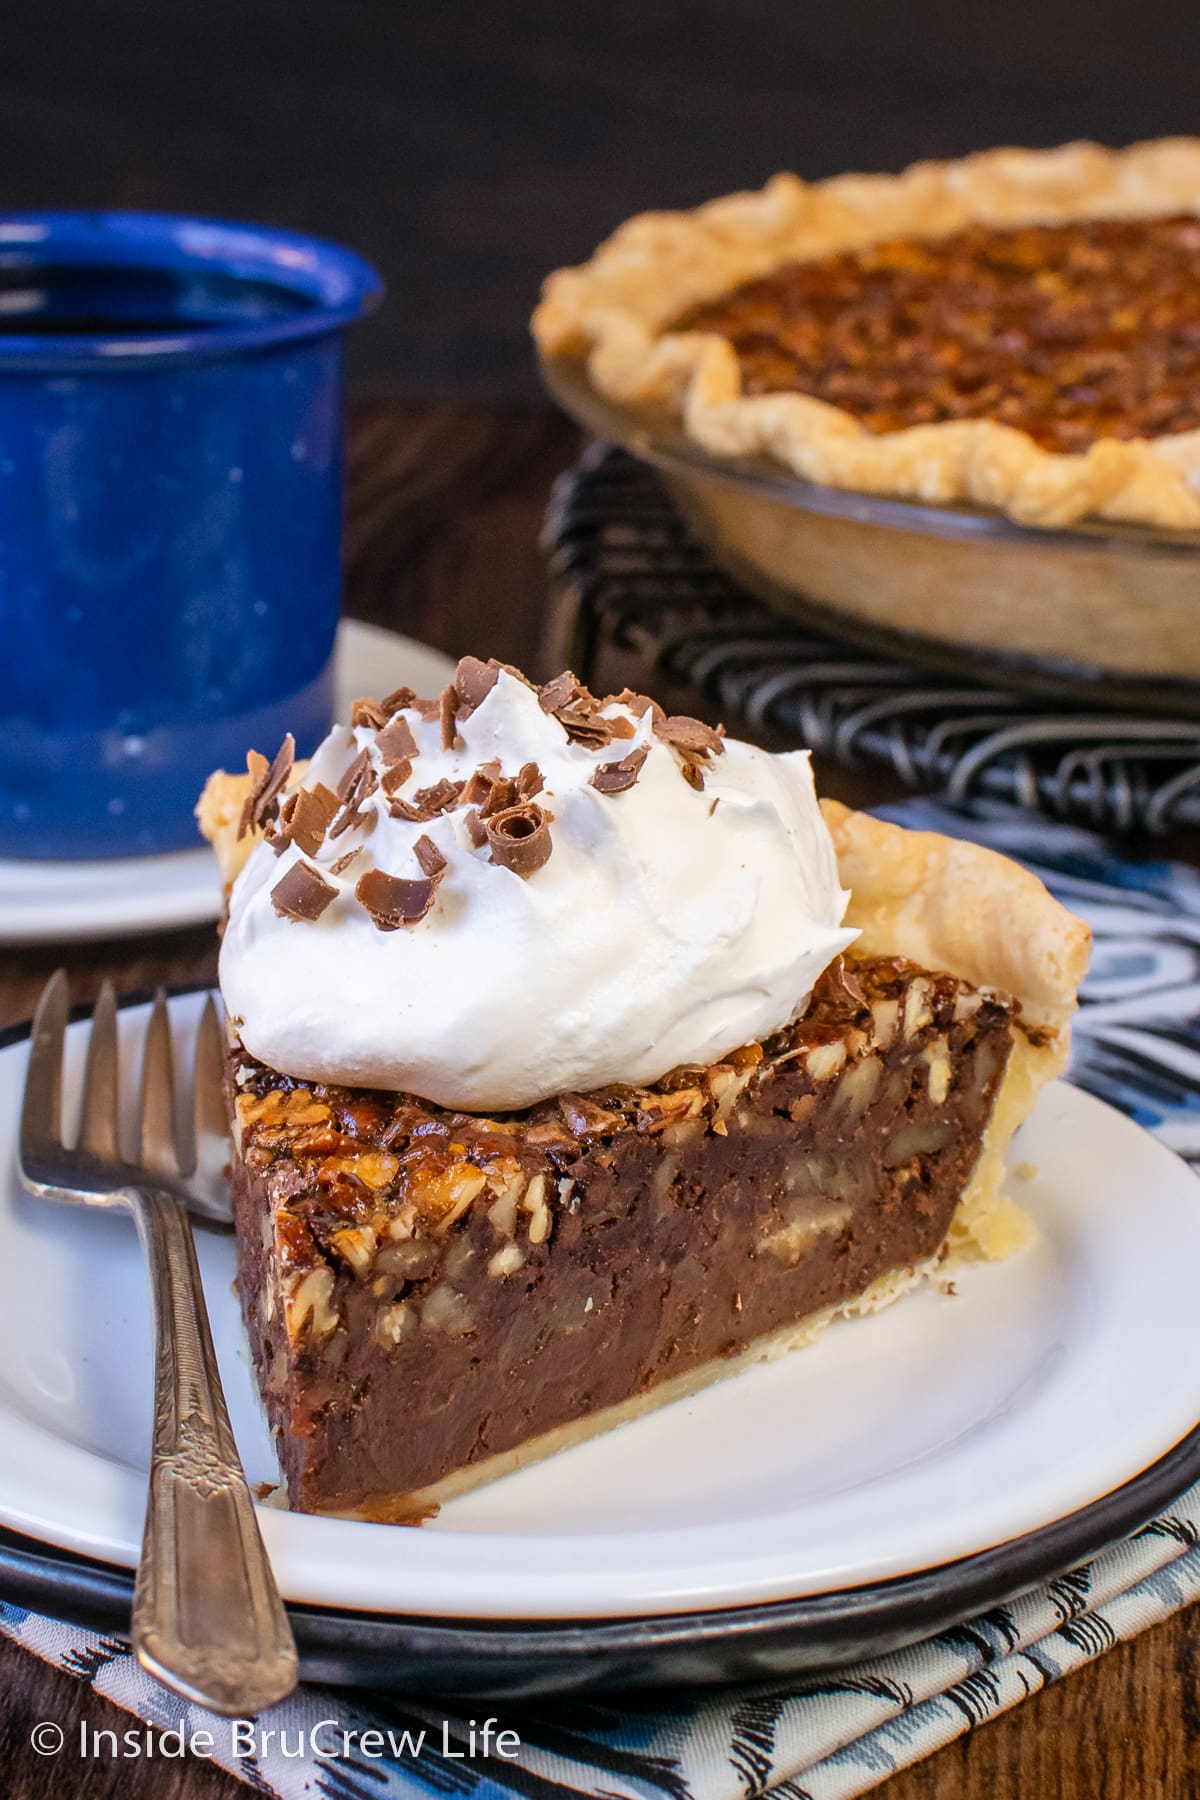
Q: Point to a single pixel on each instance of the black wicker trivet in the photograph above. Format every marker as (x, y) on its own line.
(635, 578)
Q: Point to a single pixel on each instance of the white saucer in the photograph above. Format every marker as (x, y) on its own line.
(62, 902)
(946, 1425)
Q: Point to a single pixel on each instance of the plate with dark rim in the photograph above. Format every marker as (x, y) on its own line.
(906, 1471)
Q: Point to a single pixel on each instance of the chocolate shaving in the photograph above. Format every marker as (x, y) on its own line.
(448, 707)
(473, 682)
(302, 894)
(267, 781)
(503, 794)
(426, 803)
(520, 838)
(358, 783)
(429, 856)
(358, 779)
(617, 777)
(368, 712)
(530, 780)
(586, 729)
(480, 784)
(693, 742)
(439, 798)
(397, 701)
(579, 712)
(583, 1118)
(362, 819)
(395, 776)
(343, 862)
(638, 704)
(691, 735)
(562, 691)
(304, 818)
(838, 990)
(476, 829)
(394, 902)
(396, 743)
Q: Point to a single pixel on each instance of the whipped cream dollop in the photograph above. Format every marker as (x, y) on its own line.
(669, 924)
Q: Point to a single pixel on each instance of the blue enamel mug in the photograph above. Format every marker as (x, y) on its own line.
(170, 514)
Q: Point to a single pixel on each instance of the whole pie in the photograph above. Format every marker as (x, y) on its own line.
(578, 1056)
(1020, 329)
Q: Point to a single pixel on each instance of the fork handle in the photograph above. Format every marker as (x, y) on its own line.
(207, 1616)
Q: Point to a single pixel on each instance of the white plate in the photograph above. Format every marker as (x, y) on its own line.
(946, 1425)
(64, 902)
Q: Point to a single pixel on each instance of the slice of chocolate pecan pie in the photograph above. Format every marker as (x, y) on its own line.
(437, 1294)
(436, 1298)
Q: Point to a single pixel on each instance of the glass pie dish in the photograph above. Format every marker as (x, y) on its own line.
(1093, 612)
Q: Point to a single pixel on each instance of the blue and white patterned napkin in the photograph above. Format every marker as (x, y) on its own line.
(1137, 1045)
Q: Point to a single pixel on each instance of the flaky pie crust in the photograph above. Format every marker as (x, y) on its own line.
(953, 905)
(614, 311)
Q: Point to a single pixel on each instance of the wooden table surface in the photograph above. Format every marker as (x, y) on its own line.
(445, 504)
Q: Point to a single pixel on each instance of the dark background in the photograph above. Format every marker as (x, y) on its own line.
(468, 146)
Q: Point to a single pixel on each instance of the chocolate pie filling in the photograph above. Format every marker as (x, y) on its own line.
(428, 1291)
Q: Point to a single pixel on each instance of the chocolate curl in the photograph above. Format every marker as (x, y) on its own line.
(520, 838)
(618, 777)
(302, 894)
(396, 743)
(267, 781)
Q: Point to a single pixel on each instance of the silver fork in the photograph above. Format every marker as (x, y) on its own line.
(207, 1616)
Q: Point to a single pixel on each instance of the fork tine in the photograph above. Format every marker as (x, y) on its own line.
(210, 1128)
(98, 1113)
(159, 1152)
(41, 1110)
